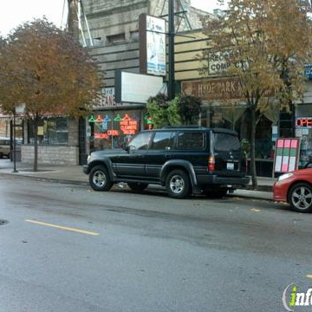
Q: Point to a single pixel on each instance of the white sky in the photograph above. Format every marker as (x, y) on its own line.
(14, 13)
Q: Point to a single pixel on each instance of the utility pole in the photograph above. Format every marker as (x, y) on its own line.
(72, 18)
(171, 34)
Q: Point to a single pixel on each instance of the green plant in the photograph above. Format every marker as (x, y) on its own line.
(245, 147)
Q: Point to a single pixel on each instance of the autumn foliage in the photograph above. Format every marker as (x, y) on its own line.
(46, 69)
(266, 45)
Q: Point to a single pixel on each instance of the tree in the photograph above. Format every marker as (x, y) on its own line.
(189, 109)
(265, 44)
(163, 112)
(46, 69)
(182, 110)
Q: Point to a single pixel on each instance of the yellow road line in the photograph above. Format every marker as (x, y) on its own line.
(309, 276)
(63, 227)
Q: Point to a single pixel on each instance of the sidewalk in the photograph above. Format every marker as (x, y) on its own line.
(74, 175)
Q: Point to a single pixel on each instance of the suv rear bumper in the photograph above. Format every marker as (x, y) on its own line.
(217, 180)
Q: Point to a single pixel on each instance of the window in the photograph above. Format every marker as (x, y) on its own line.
(225, 142)
(141, 141)
(191, 141)
(134, 36)
(113, 128)
(163, 141)
(51, 131)
(116, 38)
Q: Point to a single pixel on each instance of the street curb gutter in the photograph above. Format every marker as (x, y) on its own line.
(252, 194)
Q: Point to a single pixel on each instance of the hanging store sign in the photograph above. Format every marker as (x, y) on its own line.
(152, 45)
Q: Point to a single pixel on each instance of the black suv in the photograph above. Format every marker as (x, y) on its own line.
(183, 159)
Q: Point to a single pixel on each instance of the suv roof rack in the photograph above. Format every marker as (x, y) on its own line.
(184, 127)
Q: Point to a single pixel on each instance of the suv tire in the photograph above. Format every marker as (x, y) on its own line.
(99, 179)
(178, 184)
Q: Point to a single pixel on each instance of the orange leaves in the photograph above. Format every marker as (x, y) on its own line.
(47, 69)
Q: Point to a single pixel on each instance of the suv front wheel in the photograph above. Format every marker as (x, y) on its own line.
(99, 179)
(178, 184)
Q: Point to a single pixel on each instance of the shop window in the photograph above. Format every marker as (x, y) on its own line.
(51, 131)
(112, 129)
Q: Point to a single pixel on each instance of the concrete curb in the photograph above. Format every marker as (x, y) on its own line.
(263, 192)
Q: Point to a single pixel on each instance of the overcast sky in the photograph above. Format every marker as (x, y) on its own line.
(14, 13)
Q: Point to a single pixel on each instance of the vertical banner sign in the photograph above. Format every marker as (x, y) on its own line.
(286, 155)
(152, 32)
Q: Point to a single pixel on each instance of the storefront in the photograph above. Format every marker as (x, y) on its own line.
(112, 124)
(58, 141)
(303, 130)
(222, 108)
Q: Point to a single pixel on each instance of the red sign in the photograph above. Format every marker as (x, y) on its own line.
(304, 122)
(103, 136)
(129, 126)
(113, 132)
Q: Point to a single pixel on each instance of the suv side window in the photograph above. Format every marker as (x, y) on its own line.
(163, 140)
(191, 141)
(226, 142)
(141, 141)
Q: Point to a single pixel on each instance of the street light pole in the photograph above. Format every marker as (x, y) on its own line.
(171, 77)
(14, 141)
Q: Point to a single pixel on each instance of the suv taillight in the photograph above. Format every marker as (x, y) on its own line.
(211, 163)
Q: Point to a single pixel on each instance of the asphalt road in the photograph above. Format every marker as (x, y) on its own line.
(66, 248)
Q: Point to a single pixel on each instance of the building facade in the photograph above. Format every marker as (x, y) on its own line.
(111, 30)
(113, 36)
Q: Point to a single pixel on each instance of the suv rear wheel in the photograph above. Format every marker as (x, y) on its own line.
(99, 179)
(178, 184)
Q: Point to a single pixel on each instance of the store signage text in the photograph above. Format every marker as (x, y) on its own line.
(219, 62)
(108, 98)
(214, 89)
(217, 89)
(129, 126)
(303, 122)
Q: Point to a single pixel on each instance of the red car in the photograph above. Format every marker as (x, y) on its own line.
(295, 188)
